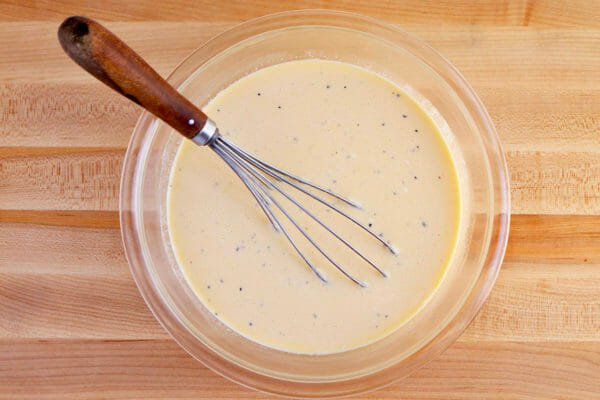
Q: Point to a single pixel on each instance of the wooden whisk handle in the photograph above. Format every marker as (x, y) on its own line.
(104, 55)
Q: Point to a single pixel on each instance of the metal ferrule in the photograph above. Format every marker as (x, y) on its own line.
(207, 134)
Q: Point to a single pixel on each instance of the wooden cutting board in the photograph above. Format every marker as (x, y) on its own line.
(72, 323)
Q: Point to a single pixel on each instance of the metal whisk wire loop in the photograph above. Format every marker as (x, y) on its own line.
(264, 180)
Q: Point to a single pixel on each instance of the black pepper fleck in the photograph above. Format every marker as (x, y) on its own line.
(403, 115)
(241, 288)
(250, 323)
(327, 86)
(279, 107)
(424, 224)
(208, 286)
(415, 177)
(315, 316)
(370, 224)
(416, 131)
(258, 94)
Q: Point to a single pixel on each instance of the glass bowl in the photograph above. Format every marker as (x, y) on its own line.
(455, 108)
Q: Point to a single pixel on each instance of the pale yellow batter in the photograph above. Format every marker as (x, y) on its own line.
(348, 129)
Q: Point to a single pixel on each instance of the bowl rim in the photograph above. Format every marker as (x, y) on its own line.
(130, 228)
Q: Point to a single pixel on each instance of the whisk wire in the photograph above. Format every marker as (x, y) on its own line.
(257, 161)
(273, 172)
(265, 186)
(321, 223)
(255, 174)
(264, 204)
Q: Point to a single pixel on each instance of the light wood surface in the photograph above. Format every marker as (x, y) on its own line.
(72, 323)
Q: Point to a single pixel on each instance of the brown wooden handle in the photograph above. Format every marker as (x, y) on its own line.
(104, 55)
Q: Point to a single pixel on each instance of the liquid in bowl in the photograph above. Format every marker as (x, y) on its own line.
(373, 141)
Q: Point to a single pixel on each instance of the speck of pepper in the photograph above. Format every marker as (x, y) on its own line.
(279, 107)
(439, 177)
(404, 115)
(259, 94)
(221, 280)
(416, 131)
(250, 323)
(345, 87)
(385, 316)
(424, 224)
(383, 124)
(415, 177)
(237, 248)
(370, 224)
(328, 86)
(208, 286)
(241, 288)
(315, 316)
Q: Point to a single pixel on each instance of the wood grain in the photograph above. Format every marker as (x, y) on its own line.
(159, 369)
(72, 323)
(485, 12)
(538, 296)
(61, 179)
(88, 115)
(88, 179)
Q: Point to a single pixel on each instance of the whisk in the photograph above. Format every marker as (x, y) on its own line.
(102, 54)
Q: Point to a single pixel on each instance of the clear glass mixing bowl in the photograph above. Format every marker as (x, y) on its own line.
(483, 181)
